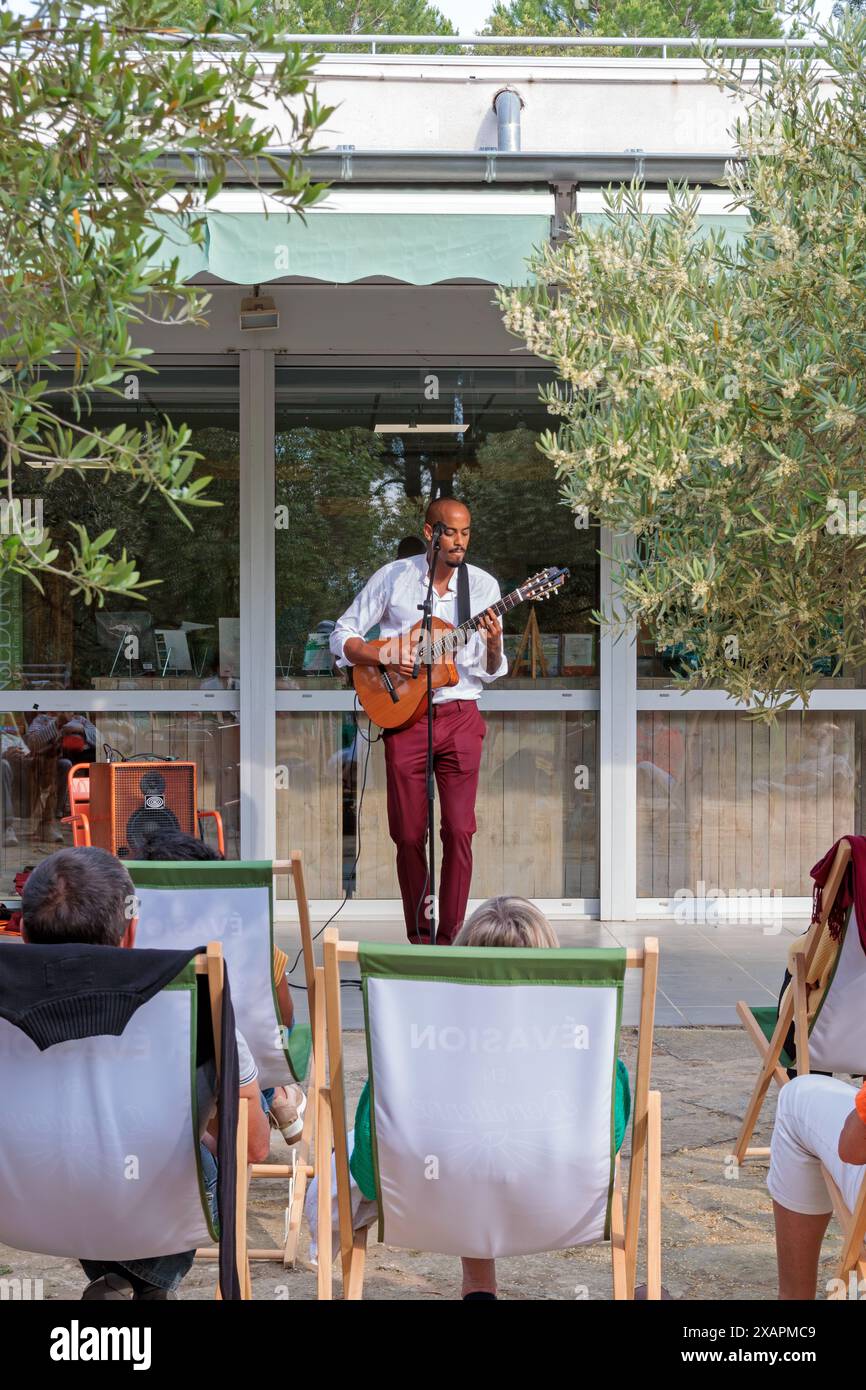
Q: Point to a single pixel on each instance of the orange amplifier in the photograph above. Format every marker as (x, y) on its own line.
(130, 800)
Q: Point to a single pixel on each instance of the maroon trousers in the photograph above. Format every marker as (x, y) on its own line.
(458, 732)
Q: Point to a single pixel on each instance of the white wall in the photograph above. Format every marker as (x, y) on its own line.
(571, 104)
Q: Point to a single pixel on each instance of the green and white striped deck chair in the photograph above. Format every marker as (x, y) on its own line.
(492, 1104)
(99, 1136)
(829, 1033)
(183, 902)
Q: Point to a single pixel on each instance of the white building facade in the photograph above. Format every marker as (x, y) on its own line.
(603, 790)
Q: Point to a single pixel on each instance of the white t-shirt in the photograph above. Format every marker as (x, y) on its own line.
(206, 1083)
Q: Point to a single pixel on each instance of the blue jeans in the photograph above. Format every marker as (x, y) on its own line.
(161, 1271)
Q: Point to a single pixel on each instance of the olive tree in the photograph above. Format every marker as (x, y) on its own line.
(711, 389)
(100, 107)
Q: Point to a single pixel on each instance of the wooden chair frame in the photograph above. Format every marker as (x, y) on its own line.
(332, 1129)
(853, 1225)
(213, 965)
(300, 1171)
(794, 1009)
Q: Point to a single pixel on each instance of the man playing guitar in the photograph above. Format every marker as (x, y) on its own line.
(392, 598)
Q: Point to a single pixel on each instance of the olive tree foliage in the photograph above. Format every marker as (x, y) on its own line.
(349, 17)
(93, 99)
(711, 392)
(633, 18)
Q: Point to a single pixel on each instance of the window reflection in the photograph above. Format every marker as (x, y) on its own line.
(741, 806)
(537, 807)
(356, 464)
(184, 634)
(39, 749)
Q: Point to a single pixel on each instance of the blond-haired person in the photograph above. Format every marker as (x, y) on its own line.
(502, 922)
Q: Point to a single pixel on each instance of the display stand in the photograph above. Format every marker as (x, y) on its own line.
(535, 655)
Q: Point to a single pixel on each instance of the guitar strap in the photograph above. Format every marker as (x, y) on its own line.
(463, 613)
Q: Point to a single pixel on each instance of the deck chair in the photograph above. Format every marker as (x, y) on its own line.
(77, 1115)
(231, 901)
(829, 1027)
(492, 1094)
(78, 789)
(853, 1226)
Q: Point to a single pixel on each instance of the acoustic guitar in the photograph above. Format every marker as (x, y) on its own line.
(395, 702)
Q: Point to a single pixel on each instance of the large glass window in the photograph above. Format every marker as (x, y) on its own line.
(184, 634)
(39, 748)
(659, 667)
(537, 806)
(360, 453)
(741, 806)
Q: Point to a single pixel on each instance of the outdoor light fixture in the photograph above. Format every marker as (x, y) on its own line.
(419, 427)
(259, 311)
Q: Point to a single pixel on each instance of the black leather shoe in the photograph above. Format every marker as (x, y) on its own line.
(109, 1288)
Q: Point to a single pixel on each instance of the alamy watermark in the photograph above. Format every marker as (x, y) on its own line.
(22, 516)
(746, 905)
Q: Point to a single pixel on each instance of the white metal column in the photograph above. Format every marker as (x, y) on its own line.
(617, 756)
(258, 732)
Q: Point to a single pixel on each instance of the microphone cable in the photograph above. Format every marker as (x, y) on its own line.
(369, 741)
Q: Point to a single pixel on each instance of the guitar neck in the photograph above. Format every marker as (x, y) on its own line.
(457, 637)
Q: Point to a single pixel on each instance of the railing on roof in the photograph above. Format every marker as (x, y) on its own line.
(376, 41)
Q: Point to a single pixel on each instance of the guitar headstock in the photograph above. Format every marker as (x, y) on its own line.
(543, 584)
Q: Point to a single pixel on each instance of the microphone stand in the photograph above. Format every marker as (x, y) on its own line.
(425, 646)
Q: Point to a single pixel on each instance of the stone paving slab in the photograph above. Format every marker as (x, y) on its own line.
(716, 1226)
(703, 969)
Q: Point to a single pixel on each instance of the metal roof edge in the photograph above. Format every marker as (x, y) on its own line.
(479, 167)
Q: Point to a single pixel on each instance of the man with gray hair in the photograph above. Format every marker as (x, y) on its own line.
(86, 897)
(79, 895)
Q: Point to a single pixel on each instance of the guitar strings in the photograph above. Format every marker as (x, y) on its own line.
(449, 641)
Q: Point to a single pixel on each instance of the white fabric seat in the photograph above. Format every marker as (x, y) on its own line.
(837, 1038)
(492, 1105)
(493, 1114)
(182, 904)
(99, 1148)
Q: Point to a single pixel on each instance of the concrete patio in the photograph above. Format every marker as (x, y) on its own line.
(703, 968)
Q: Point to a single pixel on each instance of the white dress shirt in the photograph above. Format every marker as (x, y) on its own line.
(391, 598)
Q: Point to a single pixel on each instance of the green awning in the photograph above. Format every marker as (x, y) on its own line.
(414, 236)
(344, 247)
(425, 244)
(176, 243)
(732, 224)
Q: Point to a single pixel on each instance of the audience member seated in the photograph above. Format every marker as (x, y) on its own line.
(819, 1119)
(54, 742)
(500, 922)
(286, 1104)
(84, 896)
(13, 755)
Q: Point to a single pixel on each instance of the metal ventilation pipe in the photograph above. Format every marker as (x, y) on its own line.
(507, 104)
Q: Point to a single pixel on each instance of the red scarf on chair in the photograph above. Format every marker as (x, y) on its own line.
(852, 889)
